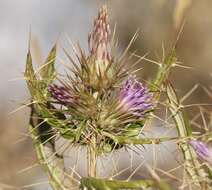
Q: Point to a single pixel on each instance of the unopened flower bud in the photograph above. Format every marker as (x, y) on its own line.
(99, 38)
(101, 70)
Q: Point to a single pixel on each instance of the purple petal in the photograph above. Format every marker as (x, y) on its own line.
(204, 152)
(135, 98)
(61, 94)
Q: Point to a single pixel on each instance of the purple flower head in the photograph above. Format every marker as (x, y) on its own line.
(204, 152)
(134, 98)
(99, 38)
(61, 94)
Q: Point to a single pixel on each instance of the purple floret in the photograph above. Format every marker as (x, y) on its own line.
(135, 98)
(61, 94)
(204, 152)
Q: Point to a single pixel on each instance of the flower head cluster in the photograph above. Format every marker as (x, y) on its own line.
(134, 98)
(89, 95)
(204, 152)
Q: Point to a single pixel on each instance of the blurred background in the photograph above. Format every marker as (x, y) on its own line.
(158, 21)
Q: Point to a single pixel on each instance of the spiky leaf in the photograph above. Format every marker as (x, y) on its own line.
(164, 70)
(29, 74)
(102, 184)
(48, 69)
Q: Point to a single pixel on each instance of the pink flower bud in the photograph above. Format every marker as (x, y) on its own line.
(99, 38)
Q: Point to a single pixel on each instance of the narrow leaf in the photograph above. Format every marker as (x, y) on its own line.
(48, 69)
(29, 71)
(104, 184)
(164, 70)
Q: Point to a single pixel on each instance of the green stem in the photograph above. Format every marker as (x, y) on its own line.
(184, 131)
(92, 157)
(51, 167)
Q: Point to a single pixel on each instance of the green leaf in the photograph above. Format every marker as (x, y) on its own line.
(48, 69)
(44, 129)
(133, 130)
(140, 141)
(35, 86)
(163, 71)
(80, 130)
(29, 73)
(104, 184)
(124, 140)
(101, 184)
(67, 134)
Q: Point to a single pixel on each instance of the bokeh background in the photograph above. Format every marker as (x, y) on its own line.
(159, 23)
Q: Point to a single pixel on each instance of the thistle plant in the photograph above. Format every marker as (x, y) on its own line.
(102, 106)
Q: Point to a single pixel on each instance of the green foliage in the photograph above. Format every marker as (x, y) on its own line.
(105, 184)
(48, 68)
(163, 71)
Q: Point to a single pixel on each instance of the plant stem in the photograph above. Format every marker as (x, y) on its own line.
(51, 167)
(92, 157)
(184, 129)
